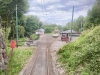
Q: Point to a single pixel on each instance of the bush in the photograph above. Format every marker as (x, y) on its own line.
(83, 55)
(34, 37)
(17, 61)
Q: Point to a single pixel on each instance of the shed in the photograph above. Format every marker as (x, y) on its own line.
(65, 35)
(39, 31)
(74, 33)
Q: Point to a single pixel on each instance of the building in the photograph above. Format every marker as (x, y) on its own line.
(74, 33)
(39, 31)
(67, 36)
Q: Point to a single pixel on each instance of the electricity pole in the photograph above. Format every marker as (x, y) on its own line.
(72, 24)
(81, 25)
(16, 28)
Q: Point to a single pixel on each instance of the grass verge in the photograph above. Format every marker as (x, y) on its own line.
(18, 60)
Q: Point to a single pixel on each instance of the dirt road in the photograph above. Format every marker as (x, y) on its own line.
(40, 67)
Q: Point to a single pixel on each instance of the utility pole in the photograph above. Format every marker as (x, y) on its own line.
(81, 25)
(72, 24)
(16, 27)
(38, 30)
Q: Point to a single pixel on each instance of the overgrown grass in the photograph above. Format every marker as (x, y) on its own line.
(23, 39)
(34, 37)
(82, 56)
(17, 61)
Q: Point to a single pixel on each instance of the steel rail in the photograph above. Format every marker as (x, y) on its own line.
(48, 42)
(49, 57)
(35, 58)
(36, 55)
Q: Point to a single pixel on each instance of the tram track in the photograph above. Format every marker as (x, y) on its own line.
(42, 61)
(30, 73)
(49, 58)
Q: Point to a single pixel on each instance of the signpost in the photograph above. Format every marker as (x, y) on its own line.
(12, 45)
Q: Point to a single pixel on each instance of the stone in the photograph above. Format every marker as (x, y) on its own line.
(3, 54)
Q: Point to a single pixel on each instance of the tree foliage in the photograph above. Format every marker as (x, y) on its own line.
(49, 28)
(8, 9)
(93, 16)
(77, 24)
(8, 14)
(92, 19)
(21, 31)
(31, 26)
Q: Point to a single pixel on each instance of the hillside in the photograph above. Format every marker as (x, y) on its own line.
(82, 57)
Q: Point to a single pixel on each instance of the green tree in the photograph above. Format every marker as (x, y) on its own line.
(77, 24)
(21, 31)
(12, 31)
(93, 17)
(31, 25)
(8, 9)
(67, 27)
(22, 20)
(49, 28)
(8, 13)
(40, 24)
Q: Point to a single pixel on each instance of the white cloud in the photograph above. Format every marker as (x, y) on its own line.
(72, 3)
(35, 9)
(59, 11)
(46, 1)
(52, 7)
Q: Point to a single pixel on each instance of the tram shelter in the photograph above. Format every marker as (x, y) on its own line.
(66, 35)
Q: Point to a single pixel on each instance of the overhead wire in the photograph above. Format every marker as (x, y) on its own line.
(42, 6)
(43, 9)
(45, 14)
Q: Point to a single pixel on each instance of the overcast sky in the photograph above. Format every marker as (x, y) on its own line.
(59, 11)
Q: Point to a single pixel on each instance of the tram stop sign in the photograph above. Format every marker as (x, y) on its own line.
(13, 44)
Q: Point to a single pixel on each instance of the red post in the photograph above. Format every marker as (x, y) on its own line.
(12, 45)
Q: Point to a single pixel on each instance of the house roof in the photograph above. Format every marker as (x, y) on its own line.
(42, 29)
(39, 30)
(69, 31)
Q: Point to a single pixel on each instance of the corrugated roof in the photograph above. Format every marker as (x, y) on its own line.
(39, 30)
(42, 29)
(69, 31)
